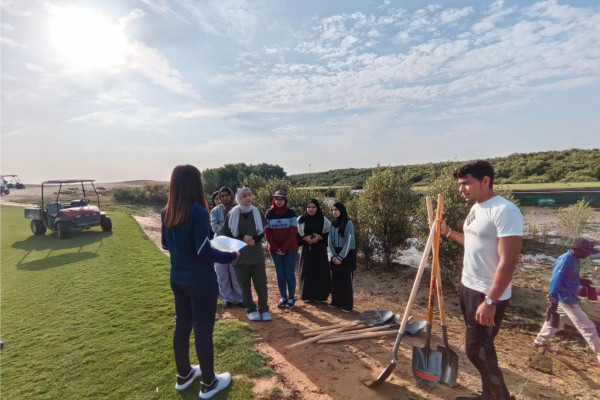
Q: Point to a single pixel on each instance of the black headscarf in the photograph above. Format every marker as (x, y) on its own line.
(342, 220)
(312, 223)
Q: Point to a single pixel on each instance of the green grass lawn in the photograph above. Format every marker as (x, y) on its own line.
(91, 317)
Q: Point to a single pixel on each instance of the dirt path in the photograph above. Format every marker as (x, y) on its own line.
(336, 371)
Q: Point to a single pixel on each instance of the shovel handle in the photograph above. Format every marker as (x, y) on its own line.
(438, 278)
(323, 328)
(435, 265)
(321, 336)
(351, 329)
(415, 288)
(371, 329)
(357, 336)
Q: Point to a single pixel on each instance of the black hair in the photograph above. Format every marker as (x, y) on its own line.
(477, 169)
(214, 195)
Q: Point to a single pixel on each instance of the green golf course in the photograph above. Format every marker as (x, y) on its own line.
(92, 316)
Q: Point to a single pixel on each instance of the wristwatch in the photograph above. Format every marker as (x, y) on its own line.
(489, 301)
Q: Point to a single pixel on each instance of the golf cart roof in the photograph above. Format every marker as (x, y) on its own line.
(60, 182)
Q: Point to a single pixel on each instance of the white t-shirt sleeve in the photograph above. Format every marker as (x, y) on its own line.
(509, 221)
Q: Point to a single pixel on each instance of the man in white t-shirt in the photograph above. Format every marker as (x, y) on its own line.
(492, 237)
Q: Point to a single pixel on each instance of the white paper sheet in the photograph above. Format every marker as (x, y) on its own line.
(225, 243)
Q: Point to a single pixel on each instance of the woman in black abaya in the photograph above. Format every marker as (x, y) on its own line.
(313, 231)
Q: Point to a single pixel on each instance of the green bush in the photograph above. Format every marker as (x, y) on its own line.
(148, 195)
(384, 209)
(574, 219)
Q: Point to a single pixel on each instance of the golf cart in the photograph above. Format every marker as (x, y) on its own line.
(3, 187)
(13, 183)
(74, 215)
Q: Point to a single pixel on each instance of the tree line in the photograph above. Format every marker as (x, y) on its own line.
(573, 165)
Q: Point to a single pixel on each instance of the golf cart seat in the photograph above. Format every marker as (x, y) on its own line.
(54, 208)
(78, 203)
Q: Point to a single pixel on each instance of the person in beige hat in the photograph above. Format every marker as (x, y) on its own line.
(564, 290)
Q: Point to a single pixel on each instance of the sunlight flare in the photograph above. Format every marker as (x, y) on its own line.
(84, 39)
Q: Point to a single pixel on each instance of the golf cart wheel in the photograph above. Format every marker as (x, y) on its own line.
(106, 224)
(37, 227)
(62, 229)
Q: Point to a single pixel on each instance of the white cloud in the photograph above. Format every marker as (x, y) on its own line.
(10, 42)
(452, 15)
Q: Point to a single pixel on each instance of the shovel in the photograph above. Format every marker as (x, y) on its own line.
(450, 358)
(401, 332)
(411, 329)
(368, 318)
(318, 331)
(427, 363)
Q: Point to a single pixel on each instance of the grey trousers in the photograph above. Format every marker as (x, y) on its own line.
(256, 275)
(229, 288)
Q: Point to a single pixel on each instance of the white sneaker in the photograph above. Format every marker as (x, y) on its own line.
(266, 316)
(254, 316)
(183, 383)
(221, 382)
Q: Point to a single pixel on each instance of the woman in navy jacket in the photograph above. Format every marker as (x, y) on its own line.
(185, 233)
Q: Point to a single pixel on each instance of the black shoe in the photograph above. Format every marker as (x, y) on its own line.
(240, 304)
(282, 303)
(228, 304)
(290, 303)
(331, 305)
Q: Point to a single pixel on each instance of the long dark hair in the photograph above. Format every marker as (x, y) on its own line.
(185, 189)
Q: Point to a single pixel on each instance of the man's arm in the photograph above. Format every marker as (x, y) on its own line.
(509, 248)
(449, 233)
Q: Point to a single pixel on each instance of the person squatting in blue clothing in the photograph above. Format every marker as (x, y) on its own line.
(281, 232)
(185, 234)
(229, 288)
(564, 288)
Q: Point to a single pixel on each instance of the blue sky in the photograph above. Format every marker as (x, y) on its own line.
(119, 90)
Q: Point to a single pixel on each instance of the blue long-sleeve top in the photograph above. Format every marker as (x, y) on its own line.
(564, 284)
(192, 256)
(346, 242)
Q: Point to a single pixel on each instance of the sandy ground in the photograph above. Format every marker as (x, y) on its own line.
(337, 371)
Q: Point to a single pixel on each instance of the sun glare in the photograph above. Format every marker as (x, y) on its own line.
(84, 39)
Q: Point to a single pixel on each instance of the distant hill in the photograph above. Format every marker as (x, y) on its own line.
(574, 165)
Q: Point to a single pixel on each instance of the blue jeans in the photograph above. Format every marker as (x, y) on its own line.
(195, 308)
(285, 266)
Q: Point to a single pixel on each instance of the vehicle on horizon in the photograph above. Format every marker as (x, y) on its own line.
(13, 183)
(71, 216)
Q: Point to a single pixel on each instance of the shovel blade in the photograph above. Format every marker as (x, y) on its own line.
(427, 366)
(415, 327)
(383, 376)
(449, 365)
